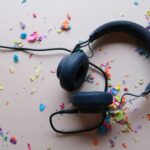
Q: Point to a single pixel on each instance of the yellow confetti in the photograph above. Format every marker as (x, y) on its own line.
(37, 73)
(119, 116)
(1, 87)
(148, 13)
(118, 87)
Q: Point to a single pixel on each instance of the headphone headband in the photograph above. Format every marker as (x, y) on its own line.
(123, 26)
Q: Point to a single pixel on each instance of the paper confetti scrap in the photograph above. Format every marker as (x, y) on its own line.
(37, 73)
(11, 69)
(29, 146)
(42, 107)
(32, 37)
(33, 91)
(22, 25)
(1, 87)
(65, 26)
(18, 43)
(124, 145)
(13, 140)
(119, 115)
(112, 143)
(62, 106)
(16, 58)
(148, 117)
(95, 141)
(141, 81)
(23, 1)
(34, 15)
(23, 35)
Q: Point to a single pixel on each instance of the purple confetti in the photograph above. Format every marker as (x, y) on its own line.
(112, 143)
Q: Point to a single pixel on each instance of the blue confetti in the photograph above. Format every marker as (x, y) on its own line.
(42, 107)
(16, 58)
(23, 35)
(23, 1)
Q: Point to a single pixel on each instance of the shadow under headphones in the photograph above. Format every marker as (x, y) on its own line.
(73, 68)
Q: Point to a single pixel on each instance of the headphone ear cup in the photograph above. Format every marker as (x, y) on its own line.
(60, 66)
(92, 102)
(73, 70)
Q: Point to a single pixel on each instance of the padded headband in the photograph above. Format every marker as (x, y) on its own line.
(123, 26)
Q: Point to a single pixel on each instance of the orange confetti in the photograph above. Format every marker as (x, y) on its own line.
(95, 141)
(124, 145)
(148, 117)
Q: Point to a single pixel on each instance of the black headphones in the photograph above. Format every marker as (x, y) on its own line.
(72, 71)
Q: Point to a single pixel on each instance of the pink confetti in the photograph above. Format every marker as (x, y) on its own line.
(29, 146)
(32, 37)
(62, 106)
(34, 15)
(30, 56)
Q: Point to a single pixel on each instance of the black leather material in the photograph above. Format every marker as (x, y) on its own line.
(92, 102)
(123, 26)
(72, 70)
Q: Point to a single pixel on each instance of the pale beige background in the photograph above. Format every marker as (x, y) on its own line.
(22, 117)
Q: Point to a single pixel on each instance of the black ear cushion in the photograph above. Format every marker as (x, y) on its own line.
(92, 98)
(73, 71)
(60, 66)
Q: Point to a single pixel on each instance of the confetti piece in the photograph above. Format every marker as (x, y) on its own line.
(125, 89)
(11, 69)
(1, 87)
(23, 35)
(136, 3)
(119, 115)
(23, 1)
(95, 141)
(37, 73)
(13, 140)
(141, 81)
(34, 15)
(68, 16)
(62, 106)
(102, 130)
(112, 143)
(16, 58)
(33, 91)
(32, 37)
(18, 43)
(53, 71)
(22, 25)
(118, 87)
(29, 146)
(148, 117)
(124, 145)
(42, 107)
(30, 56)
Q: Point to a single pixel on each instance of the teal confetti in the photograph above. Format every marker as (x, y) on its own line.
(42, 107)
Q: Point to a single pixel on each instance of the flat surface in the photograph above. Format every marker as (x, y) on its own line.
(19, 107)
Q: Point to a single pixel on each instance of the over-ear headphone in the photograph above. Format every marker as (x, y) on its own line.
(72, 71)
(73, 68)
